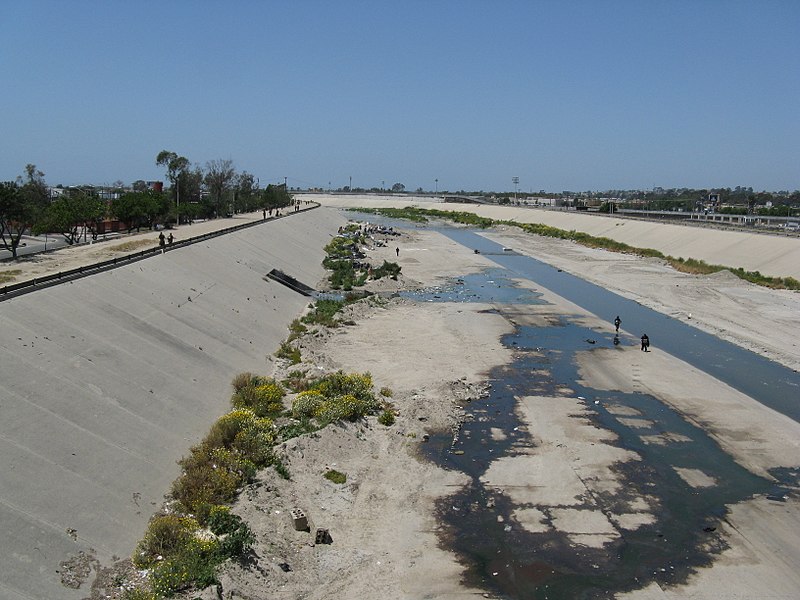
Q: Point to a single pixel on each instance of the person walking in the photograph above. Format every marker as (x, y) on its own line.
(617, 323)
(161, 241)
(645, 343)
(397, 250)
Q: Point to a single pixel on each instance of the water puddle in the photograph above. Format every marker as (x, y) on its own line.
(480, 522)
(492, 285)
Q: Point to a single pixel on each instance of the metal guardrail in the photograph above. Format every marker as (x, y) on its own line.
(25, 287)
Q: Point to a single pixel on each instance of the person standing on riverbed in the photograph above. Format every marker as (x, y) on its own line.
(645, 343)
(617, 323)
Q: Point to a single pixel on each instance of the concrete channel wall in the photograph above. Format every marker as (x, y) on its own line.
(109, 379)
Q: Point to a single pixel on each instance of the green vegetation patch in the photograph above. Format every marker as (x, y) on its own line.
(336, 476)
(324, 312)
(180, 555)
(387, 269)
(289, 352)
(386, 418)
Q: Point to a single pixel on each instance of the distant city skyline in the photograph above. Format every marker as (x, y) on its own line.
(579, 95)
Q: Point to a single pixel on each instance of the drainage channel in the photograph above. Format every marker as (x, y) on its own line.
(479, 521)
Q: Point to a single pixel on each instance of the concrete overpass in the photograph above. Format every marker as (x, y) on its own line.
(109, 379)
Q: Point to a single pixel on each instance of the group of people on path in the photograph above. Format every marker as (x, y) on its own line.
(162, 241)
(645, 340)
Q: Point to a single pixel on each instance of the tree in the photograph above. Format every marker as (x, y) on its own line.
(398, 187)
(141, 208)
(175, 166)
(15, 216)
(276, 196)
(74, 213)
(219, 178)
(247, 194)
(21, 203)
(33, 187)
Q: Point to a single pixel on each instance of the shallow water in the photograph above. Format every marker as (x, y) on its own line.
(503, 557)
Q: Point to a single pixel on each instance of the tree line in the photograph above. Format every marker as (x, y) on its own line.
(27, 205)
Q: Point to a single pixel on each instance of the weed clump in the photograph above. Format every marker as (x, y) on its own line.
(386, 418)
(289, 352)
(335, 476)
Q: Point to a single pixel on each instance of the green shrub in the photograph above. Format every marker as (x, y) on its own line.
(387, 269)
(288, 352)
(335, 476)
(386, 418)
(386, 392)
(296, 329)
(281, 469)
(166, 535)
(324, 312)
(237, 542)
(295, 428)
(221, 520)
(195, 565)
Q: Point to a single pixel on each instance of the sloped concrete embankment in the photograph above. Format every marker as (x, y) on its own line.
(108, 380)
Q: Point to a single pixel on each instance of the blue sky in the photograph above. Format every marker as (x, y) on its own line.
(565, 95)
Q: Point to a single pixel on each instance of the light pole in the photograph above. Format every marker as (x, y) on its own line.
(436, 189)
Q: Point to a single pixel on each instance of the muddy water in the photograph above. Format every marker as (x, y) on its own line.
(510, 562)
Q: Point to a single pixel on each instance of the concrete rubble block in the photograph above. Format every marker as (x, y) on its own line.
(299, 519)
(323, 536)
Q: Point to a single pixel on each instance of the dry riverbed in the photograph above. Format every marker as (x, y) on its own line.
(387, 539)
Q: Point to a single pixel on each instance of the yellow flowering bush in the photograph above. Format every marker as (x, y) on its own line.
(263, 395)
(237, 444)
